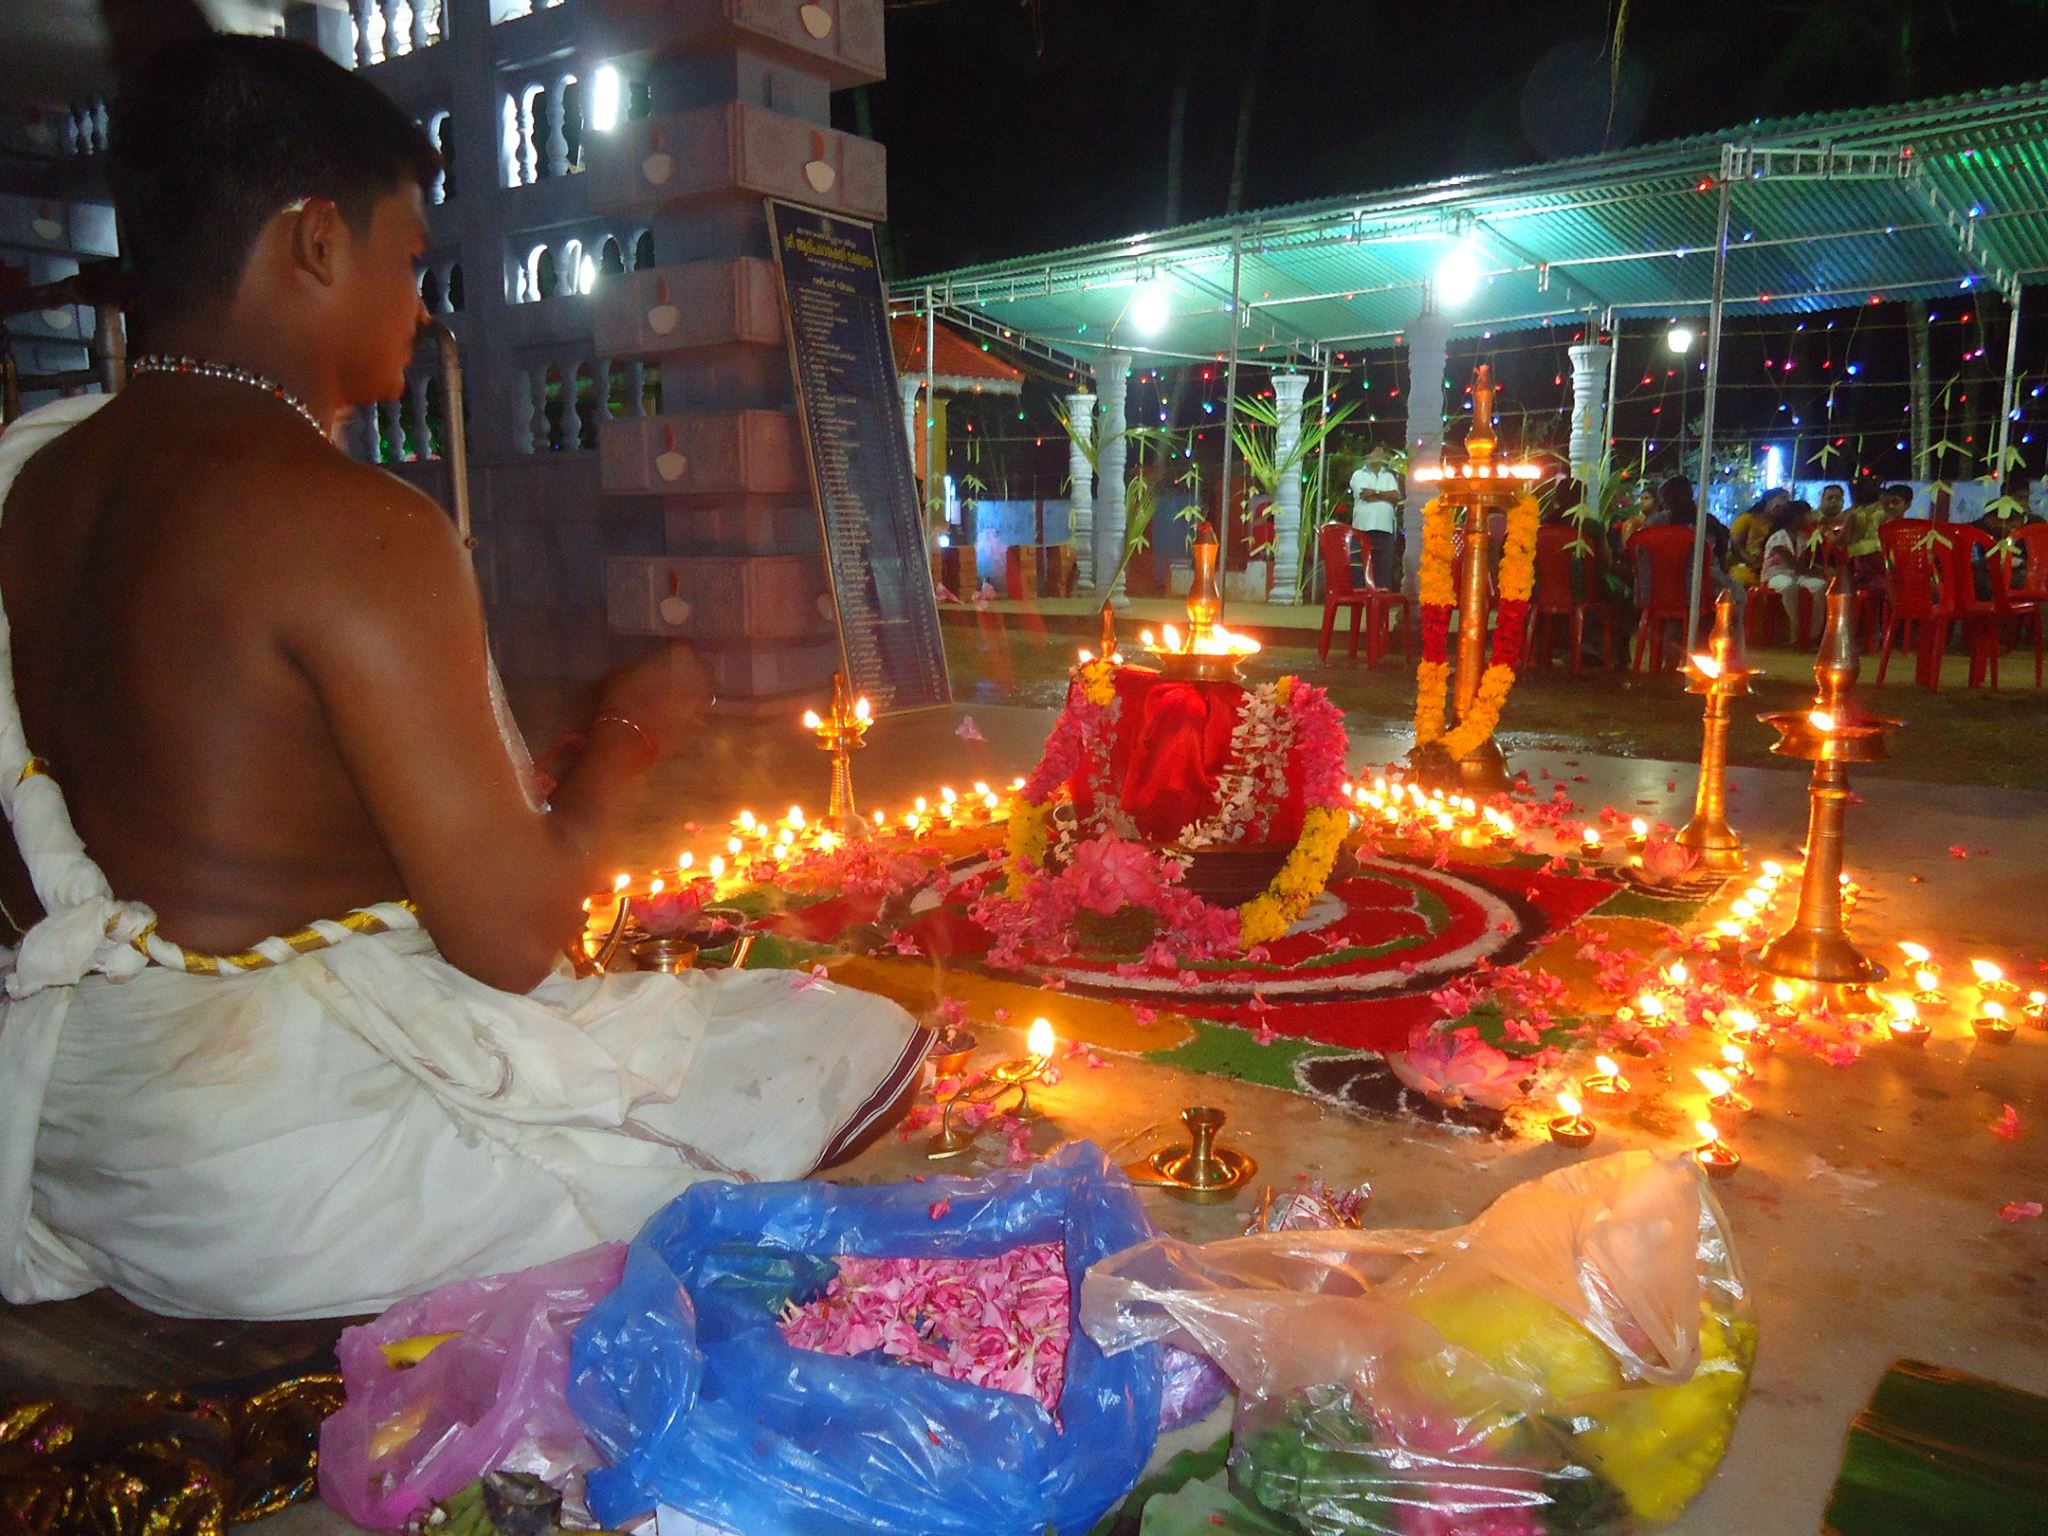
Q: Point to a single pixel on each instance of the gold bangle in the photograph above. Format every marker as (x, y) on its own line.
(612, 717)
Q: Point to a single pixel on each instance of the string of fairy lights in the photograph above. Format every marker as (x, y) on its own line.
(1835, 393)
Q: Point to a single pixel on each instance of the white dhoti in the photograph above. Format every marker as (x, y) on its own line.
(359, 1123)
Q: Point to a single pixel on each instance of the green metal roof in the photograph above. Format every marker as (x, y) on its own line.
(1827, 211)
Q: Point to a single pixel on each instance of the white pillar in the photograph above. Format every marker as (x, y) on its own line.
(1590, 363)
(1428, 334)
(1287, 392)
(1112, 375)
(907, 386)
(1081, 499)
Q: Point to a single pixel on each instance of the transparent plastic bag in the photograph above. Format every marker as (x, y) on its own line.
(489, 1395)
(1571, 1361)
(683, 1379)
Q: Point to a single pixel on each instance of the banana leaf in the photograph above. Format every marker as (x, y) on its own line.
(1938, 1450)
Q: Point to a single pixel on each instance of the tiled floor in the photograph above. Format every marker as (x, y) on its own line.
(1866, 1214)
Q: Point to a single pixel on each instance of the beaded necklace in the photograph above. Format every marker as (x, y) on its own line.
(198, 368)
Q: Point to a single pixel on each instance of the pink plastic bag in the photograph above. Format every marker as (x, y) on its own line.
(489, 1398)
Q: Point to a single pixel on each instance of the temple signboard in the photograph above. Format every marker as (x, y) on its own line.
(837, 320)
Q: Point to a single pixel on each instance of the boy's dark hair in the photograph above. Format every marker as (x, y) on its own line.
(1898, 488)
(214, 134)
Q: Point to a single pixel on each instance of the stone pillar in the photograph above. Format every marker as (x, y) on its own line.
(1112, 375)
(1590, 362)
(1428, 334)
(908, 386)
(1081, 499)
(1287, 393)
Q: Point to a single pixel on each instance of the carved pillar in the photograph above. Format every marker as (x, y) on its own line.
(426, 22)
(572, 419)
(1287, 535)
(420, 438)
(369, 32)
(529, 164)
(558, 140)
(1112, 378)
(1590, 362)
(1428, 335)
(1081, 503)
(636, 387)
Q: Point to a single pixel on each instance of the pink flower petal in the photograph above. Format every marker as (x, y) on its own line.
(2007, 1125)
(2020, 1210)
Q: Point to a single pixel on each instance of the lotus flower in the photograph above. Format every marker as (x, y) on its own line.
(1666, 862)
(1456, 1067)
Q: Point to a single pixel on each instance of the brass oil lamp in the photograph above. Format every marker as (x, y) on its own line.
(1481, 487)
(1721, 675)
(1831, 735)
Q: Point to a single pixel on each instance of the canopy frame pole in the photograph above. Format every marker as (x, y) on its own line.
(1714, 313)
(2011, 389)
(1230, 390)
(1322, 480)
(931, 409)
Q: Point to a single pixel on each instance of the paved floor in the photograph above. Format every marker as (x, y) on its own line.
(1866, 1214)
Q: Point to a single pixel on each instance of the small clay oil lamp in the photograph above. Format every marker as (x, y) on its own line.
(1921, 957)
(1722, 1098)
(1606, 1084)
(1570, 1129)
(1906, 1025)
(1930, 994)
(1746, 1033)
(1991, 1025)
(1991, 980)
(2037, 1009)
(1713, 1154)
(1589, 843)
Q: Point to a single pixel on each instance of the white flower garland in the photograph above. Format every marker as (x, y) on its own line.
(1254, 777)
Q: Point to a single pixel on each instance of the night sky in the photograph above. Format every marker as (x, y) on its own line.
(1016, 126)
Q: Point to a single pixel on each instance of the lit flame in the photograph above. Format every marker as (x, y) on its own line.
(1772, 869)
(1743, 908)
(1038, 1039)
(1707, 666)
(1715, 1084)
(1821, 720)
(1171, 635)
(1781, 992)
(946, 795)
(746, 819)
(1732, 1054)
(1217, 642)
(1742, 1021)
(1919, 954)
(811, 720)
(1607, 1066)
(796, 815)
(716, 866)
(1986, 971)
(1710, 1134)
(1639, 827)
(685, 860)
(1085, 657)
(1904, 1009)
(1569, 1105)
(787, 837)
(2038, 999)
(656, 887)
(1148, 640)
(1926, 981)
(1994, 1010)
(1651, 1005)
(861, 709)
(1591, 837)
(1678, 973)
(733, 845)
(620, 882)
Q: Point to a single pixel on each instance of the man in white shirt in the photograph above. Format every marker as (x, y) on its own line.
(1376, 513)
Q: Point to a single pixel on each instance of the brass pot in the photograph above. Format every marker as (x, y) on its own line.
(1231, 876)
(672, 955)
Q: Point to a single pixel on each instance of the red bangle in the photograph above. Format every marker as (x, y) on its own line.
(611, 717)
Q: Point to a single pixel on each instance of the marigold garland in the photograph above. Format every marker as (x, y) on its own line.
(1436, 588)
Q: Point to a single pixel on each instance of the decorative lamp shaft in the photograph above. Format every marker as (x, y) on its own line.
(1472, 609)
(1205, 593)
(1708, 834)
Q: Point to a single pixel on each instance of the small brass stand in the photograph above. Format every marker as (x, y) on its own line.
(1201, 1170)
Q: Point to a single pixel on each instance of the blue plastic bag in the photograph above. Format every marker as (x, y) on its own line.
(682, 1380)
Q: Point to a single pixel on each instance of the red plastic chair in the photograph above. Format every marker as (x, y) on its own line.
(2032, 539)
(1921, 609)
(1554, 598)
(2008, 604)
(1668, 550)
(1371, 605)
